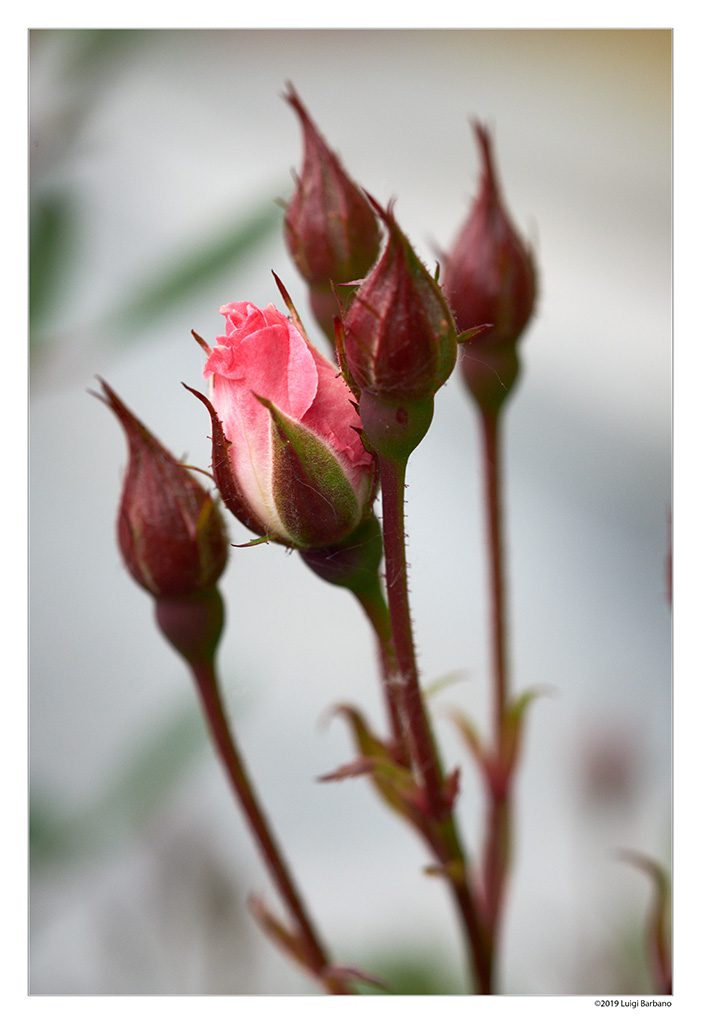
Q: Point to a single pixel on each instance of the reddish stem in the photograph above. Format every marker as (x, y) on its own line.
(223, 738)
(491, 452)
(423, 748)
(441, 830)
(497, 844)
(375, 607)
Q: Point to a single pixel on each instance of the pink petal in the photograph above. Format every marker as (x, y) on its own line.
(333, 417)
(251, 448)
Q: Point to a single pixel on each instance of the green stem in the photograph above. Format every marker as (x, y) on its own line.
(222, 735)
(441, 831)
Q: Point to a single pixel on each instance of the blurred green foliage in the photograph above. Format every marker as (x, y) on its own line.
(180, 278)
(51, 239)
(90, 62)
(147, 775)
(413, 972)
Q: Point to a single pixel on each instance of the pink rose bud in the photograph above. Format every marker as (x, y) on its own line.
(490, 278)
(287, 457)
(170, 530)
(330, 228)
(399, 344)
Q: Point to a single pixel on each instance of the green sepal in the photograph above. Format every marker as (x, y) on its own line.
(314, 498)
(354, 563)
(472, 332)
(254, 543)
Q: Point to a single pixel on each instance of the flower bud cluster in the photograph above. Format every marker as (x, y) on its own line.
(294, 442)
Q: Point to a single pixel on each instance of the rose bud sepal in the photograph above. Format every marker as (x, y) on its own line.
(313, 495)
(354, 563)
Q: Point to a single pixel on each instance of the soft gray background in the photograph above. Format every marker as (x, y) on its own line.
(159, 141)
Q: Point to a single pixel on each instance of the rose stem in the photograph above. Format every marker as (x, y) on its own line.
(442, 833)
(496, 853)
(222, 735)
(374, 605)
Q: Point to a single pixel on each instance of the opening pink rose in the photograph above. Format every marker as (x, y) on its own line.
(287, 457)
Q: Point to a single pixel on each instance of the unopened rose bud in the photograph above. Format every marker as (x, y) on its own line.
(170, 530)
(330, 229)
(287, 457)
(172, 538)
(399, 344)
(490, 278)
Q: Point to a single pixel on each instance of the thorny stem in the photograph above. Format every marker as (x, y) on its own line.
(441, 833)
(222, 735)
(423, 748)
(497, 844)
(375, 607)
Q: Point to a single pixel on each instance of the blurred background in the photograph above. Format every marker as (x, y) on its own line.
(156, 160)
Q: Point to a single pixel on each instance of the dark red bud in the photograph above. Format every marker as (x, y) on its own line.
(330, 228)
(400, 337)
(490, 275)
(490, 278)
(170, 531)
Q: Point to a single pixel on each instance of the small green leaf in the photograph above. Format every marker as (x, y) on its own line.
(659, 918)
(277, 932)
(393, 782)
(194, 269)
(442, 683)
(513, 724)
(472, 739)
